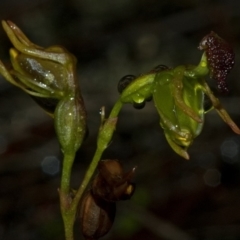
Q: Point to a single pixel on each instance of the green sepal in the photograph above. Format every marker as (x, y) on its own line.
(40, 74)
(179, 101)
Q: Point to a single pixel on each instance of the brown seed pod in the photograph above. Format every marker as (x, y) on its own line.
(98, 207)
(111, 183)
(220, 56)
(96, 216)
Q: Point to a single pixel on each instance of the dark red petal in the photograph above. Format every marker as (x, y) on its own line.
(220, 56)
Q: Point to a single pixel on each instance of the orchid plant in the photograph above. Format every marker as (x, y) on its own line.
(49, 76)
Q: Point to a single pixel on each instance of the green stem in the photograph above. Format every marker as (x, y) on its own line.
(87, 177)
(66, 172)
(200, 70)
(69, 205)
(68, 226)
(97, 156)
(65, 198)
(116, 109)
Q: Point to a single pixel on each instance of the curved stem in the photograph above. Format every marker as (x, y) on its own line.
(88, 175)
(116, 109)
(97, 156)
(220, 110)
(69, 205)
(200, 70)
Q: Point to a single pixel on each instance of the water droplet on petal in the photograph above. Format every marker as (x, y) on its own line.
(138, 98)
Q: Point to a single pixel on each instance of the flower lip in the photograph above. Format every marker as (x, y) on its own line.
(185, 140)
(220, 57)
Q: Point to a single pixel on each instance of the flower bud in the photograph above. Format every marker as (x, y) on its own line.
(111, 183)
(42, 72)
(96, 216)
(49, 76)
(70, 123)
(38, 74)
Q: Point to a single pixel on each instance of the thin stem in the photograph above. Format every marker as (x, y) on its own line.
(66, 173)
(69, 205)
(68, 226)
(220, 110)
(88, 175)
(116, 109)
(200, 70)
(65, 198)
(97, 156)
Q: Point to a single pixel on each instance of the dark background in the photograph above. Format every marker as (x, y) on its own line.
(175, 199)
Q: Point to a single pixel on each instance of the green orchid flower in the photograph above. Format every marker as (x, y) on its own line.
(179, 93)
(48, 75)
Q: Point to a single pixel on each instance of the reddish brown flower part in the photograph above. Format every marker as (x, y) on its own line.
(220, 56)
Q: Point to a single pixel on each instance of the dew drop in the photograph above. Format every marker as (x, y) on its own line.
(138, 98)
